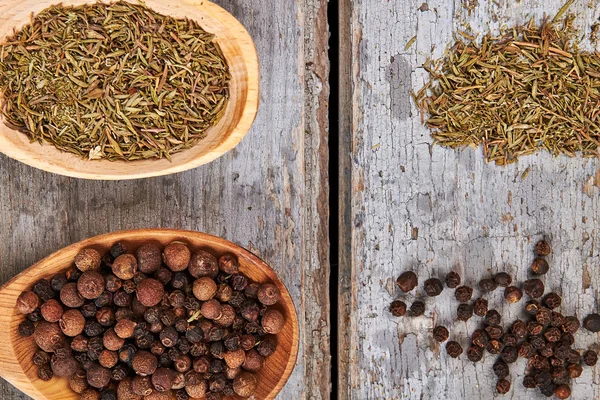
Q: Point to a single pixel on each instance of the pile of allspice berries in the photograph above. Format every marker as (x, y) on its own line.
(545, 338)
(152, 324)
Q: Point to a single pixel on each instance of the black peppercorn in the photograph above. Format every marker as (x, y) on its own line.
(494, 346)
(590, 358)
(529, 382)
(493, 317)
(537, 342)
(463, 293)
(543, 316)
(532, 307)
(534, 288)
(552, 334)
(494, 331)
(452, 280)
(525, 350)
(407, 281)
(534, 328)
(169, 337)
(592, 323)
(440, 333)
(513, 294)
(570, 325)
(501, 369)
(475, 353)
(480, 338)
(433, 287)
(26, 328)
(552, 301)
(503, 386)
(92, 328)
(43, 289)
(464, 312)
(509, 354)
(35, 315)
(453, 349)
(519, 329)
(540, 266)
(45, 372)
(509, 340)
(488, 285)
(417, 308)
(503, 279)
(480, 307)
(542, 248)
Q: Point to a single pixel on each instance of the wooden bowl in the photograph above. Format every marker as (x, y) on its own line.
(16, 356)
(240, 52)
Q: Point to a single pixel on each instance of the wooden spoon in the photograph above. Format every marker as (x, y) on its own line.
(16, 352)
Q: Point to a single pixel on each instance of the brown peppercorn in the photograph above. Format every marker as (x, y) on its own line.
(513, 294)
(509, 354)
(229, 264)
(453, 349)
(590, 358)
(534, 328)
(574, 370)
(570, 325)
(197, 390)
(64, 367)
(519, 329)
(267, 346)
(532, 307)
(70, 297)
(169, 337)
(204, 288)
(144, 363)
(543, 316)
(251, 291)
(45, 372)
(494, 346)
(247, 342)
(72, 322)
(150, 292)
(163, 379)
(464, 312)
(79, 343)
(227, 317)
(107, 358)
(88, 260)
(562, 391)
(148, 258)
(493, 317)
(89, 394)
(480, 338)
(534, 288)
(433, 287)
(475, 353)
(268, 294)
(41, 358)
(525, 350)
(125, 266)
(47, 335)
(463, 293)
(98, 376)
(440, 333)
(78, 382)
(452, 280)
(224, 293)
(211, 309)
(112, 341)
(480, 307)
(51, 310)
(494, 331)
(177, 256)
(27, 302)
(529, 382)
(592, 323)
(542, 248)
(398, 308)
(552, 301)
(203, 264)
(141, 386)
(488, 285)
(503, 386)
(509, 339)
(501, 369)
(124, 328)
(407, 281)
(235, 359)
(90, 285)
(273, 321)
(417, 308)
(503, 279)
(244, 384)
(540, 266)
(253, 361)
(552, 334)
(26, 328)
(182, 363)
(105, 316)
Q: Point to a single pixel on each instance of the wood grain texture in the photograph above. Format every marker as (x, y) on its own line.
(16, 364)
(240, 53)
(432, 210)
(269, 194)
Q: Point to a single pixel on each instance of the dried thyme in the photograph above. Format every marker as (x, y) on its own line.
(115, 82)
(528, 90)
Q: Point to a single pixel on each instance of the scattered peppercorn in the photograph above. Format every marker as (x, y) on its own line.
(592, 323)
(440, 333)
(542, 248)
(552, 301)
(417, 308)
(433, 287)
(407, 281)
(480, 307)
(488, 285)
(454, 349)
(452, 280)
(540, 266)
(513, 294)
(590, 358)
(475, 353)
(463, 293)
(503, 279)
(503, 386)
(464, 312)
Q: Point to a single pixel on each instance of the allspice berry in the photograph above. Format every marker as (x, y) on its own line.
(244, 384)
(89, 394)
(211, 309)
(64, 367)
(542, 248)
(540, 266)
(204, 288)
(125, 391)
(142, 385)
(268, 294)
(125, 266)
(203, 264)
(513, 294)
(197, 390)
(47, 335)
(70, 297)
(163, 379)
(72, 322)
(253, 361)
(149, 258)
(124, 328)
(108, 358)
(78, 382)
(227, 317)
(27, 302)
(177, 256)
(88, 260)
(51, 310)
(235, 359)
(90, 285)
(98, 376)
(112, 341)
(150, 292)
(407, 281)
(144, 363)
(272, 322)
(228, 263)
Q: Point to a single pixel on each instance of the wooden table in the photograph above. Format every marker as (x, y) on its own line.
(403, 204)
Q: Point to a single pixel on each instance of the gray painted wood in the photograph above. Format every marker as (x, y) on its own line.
(269, 194)
(432, 210)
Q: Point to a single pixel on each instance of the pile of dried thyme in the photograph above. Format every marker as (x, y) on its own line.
(528, 90)
(113, 81)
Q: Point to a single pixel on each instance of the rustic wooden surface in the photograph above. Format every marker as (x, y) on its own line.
(432, 210)
(269, 194)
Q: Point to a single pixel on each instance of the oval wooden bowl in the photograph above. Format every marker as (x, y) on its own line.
(16, 364)
(240, 52)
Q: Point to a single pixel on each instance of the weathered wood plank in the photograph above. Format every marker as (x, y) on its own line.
(430, 209)
(269, 194)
